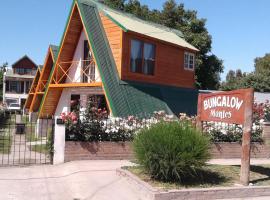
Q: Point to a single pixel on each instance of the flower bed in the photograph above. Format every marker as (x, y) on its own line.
(94, 125)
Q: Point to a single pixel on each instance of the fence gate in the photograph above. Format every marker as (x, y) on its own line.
(23, 142)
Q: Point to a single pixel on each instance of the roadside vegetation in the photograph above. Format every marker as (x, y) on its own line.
(5, 144)
(172, 151)
(209, 176)
(5, 137)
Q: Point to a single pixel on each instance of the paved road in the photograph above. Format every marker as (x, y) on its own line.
(95, 180)
(81, 180)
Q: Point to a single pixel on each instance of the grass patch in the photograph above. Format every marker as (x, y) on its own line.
(209, 176)
(39, 148)
(5, 144)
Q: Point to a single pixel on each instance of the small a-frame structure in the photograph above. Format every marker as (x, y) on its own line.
(94, 58)
(40, 82)
(32, 90)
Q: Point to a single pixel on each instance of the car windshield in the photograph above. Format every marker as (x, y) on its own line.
(14, 105)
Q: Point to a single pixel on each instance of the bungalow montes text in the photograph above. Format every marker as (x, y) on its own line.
(220, 106)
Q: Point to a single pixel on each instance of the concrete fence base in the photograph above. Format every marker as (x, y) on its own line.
(150, 193)
(98, 151)
(123, 150)
(233, 150)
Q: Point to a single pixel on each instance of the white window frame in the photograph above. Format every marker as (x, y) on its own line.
(187, 62)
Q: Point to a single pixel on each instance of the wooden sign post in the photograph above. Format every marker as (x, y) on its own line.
(234, 107)
(246, 138)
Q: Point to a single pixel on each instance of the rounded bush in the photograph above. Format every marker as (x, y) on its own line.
(171, 151)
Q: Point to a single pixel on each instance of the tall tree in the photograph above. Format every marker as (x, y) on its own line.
(259, 80)
(117, 4)
(233, 80)
(3, 68)
(230, 75)
(262, 63)
(173, 15)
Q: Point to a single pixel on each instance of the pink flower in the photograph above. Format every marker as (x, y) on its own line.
(130, 118)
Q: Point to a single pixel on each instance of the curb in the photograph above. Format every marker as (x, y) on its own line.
(150, 193)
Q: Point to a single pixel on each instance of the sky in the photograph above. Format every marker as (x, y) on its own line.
(240, 29)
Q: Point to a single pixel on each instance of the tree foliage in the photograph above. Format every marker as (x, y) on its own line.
(262, 64)
(259, 79)
(173, 15)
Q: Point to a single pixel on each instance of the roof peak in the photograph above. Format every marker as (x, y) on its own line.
(102, 6)
(129, 22)
(25, 56)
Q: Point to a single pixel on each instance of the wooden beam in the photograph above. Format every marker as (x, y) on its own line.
(70, 85)
(246, 138)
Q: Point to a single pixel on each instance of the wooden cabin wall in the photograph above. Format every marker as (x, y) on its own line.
(169, 66)
(114, 35)
(25, 63)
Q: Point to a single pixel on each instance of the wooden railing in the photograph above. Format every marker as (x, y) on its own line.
(63, 73)
(42, 85)
(33, 89)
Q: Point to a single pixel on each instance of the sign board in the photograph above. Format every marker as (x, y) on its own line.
(234, 107)
(227, 107)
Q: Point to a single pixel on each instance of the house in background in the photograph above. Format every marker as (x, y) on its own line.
(17, 81)
(131, 66)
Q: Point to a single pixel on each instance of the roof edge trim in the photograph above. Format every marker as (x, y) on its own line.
(94, 52)
(58, 52)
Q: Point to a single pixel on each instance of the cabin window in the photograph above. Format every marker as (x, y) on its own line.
(189, 61)
(142, 58)
(15, 86)
(28, 86)
(22, 86)
(136, 56)
(88, 71)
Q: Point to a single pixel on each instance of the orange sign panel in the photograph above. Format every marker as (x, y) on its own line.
(227, 107)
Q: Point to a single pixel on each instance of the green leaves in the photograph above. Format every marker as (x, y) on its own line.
(259, 80)
(171, 151)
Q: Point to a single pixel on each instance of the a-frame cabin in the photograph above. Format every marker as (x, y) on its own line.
(32, 90)
(40, 82)
(137, 66)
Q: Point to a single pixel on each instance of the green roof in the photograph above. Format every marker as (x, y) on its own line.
(129, 22)
(130, 98)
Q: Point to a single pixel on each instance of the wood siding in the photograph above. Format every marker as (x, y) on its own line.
(66, 53)
(25, 63)
(114, 35)
(169, 65)
(45, 73)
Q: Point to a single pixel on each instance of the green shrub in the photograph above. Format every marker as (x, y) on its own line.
(171, 151)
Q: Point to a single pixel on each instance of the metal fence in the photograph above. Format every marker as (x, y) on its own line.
(25, 142)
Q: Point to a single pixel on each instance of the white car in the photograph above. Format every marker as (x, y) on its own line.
(14, 107)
